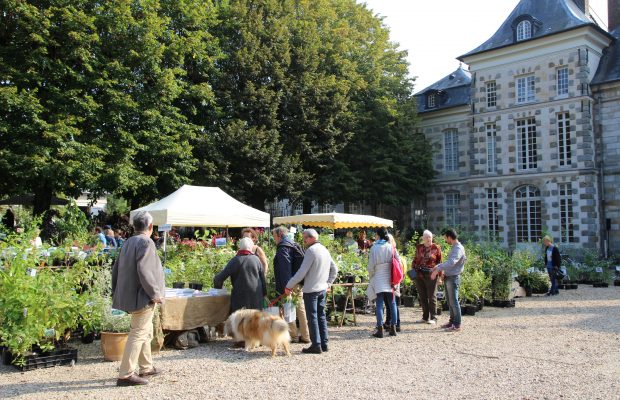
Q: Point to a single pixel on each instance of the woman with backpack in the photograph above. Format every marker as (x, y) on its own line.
(380, 285)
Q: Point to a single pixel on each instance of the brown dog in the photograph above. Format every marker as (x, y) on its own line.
(258, 328)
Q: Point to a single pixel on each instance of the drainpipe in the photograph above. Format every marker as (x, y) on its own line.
(598, 126)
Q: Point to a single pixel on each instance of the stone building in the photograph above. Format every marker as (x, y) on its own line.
(527, 140)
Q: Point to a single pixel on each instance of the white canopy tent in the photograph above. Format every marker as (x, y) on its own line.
(203, 206)
(334, 221)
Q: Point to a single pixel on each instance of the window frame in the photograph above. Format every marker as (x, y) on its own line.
(561, 82)
(527, 151)
(452, 212)
(564, 139)
(525, 89)
(567, 215)
(492, 213)
(528, 226)
(522, 32)
(491, 91)
(431, 100)
(451, 159)
(491, 133)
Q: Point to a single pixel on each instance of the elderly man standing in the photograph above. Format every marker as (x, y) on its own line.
(452, 268)
(288, 255)
(318, 272)
(137, 286)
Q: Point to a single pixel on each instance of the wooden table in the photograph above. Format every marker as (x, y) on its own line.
(349, 287)
(186, 313)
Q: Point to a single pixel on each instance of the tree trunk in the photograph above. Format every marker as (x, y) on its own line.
(307, 206)
(42, 200)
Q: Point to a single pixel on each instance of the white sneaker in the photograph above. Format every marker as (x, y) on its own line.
(431, 322)
(421, 321)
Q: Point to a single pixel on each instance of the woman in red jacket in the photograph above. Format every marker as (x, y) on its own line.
(427, 256)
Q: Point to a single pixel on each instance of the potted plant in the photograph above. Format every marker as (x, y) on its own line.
(114, 332)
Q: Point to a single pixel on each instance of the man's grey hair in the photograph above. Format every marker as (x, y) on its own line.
(141, 221)
(312, 233)
(281, 231)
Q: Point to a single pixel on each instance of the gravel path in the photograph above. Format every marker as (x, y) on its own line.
(546, 348)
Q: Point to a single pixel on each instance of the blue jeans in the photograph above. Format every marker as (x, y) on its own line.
(390, 301)
(452, 293)
(317, 322)
(554, 282)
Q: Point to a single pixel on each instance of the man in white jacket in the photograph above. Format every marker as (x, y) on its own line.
(318, 272)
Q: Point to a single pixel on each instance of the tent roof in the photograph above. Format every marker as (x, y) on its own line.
(334, 221)
(204, 206)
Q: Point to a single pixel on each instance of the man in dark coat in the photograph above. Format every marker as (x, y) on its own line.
(137, 286)
(248, 279)
(283, 263)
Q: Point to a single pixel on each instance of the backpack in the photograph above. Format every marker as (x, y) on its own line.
(298, 257)
(397, 270)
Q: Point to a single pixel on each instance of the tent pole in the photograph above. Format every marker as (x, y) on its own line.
(165, 240)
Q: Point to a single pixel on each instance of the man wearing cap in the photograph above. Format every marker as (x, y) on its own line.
(317, 271)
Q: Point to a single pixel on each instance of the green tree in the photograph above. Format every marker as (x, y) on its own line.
(47, 69)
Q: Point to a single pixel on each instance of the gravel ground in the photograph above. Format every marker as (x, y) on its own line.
(546, 348)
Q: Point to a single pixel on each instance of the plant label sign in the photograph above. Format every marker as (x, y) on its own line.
(164, 228)
(599, 270)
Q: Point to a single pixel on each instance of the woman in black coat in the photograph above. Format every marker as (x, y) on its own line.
(553, 260)
(248, 279)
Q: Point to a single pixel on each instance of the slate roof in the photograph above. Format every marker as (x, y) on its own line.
(609, 66)
(452, 91)
(549, 17)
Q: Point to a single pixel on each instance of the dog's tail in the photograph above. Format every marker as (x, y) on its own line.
(279, 325)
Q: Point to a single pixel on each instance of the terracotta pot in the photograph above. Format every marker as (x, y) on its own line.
(113, 345)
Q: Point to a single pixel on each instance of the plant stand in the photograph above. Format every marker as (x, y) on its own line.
(349, 296)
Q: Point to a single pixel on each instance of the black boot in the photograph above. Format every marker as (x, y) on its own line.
(379, 332)
(392, 330)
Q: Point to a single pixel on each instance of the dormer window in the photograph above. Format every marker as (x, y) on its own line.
(524, 30)
(431, 100)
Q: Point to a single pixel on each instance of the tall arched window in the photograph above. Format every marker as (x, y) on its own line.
(524, 30)
(528, 214)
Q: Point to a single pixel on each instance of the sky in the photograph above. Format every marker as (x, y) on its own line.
(436, 32)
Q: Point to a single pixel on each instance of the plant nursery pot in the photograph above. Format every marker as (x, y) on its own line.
(563, 287)
(195, 285)
(528, 292)
(445, 306)
(349, 279)
(469, 309)
(504, 303)
(601, 284)
(408, 301)
(89, 338)
(616, 283)
(178, 285)
(438, 312)
(572, 286)
(113, 345)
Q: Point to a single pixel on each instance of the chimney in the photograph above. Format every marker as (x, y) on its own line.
(613, 10)
(584, 5)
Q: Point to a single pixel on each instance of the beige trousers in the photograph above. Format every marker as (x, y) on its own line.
(300, 310)
(138, 348)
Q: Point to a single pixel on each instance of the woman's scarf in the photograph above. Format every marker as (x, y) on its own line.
(244, 253)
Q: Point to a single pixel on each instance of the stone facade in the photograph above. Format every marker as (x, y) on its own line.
(540, 152)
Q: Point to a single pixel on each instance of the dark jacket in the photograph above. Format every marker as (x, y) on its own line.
(248, 282)
(283, 264)
(556, 259)
(137, 275)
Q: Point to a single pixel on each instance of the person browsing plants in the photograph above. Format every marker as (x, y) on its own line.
(137, 285)
(553, 261)
(318, 272)
(452, 268)
(427, 256)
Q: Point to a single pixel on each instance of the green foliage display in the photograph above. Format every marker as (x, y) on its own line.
(38, 304)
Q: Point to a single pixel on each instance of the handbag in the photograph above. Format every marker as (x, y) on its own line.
(412, 274)
(397, 270)
(558, 274)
